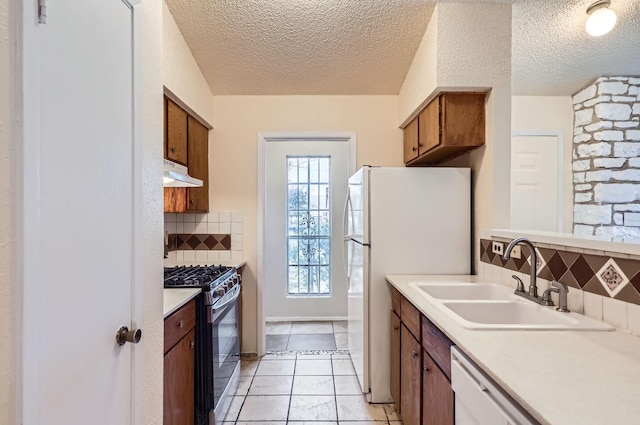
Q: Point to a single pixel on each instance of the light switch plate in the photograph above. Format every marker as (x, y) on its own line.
(497, 247)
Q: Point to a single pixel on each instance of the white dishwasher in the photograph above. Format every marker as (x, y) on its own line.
(479, 401)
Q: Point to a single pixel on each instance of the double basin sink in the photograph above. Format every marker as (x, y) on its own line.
(491, 306)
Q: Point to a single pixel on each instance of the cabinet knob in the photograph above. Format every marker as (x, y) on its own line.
(181, 324)
(414, 354)
(173, 150)
(193, 344)
(425, 369)
(413, 149)
(395, 327)
(420, 145)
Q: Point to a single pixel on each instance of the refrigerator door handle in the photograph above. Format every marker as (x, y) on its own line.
(345, 223)
(346, 239)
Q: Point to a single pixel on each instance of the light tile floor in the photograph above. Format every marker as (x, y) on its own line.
(306, 336)
(304, 389)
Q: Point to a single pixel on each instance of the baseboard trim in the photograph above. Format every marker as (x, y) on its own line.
(306, 319)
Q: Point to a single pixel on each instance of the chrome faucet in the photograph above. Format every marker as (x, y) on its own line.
(532, 293)
(562, 290)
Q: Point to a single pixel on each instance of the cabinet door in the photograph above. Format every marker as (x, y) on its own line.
(411, 141)
(430, 126)
(411, 377)
(175, 199)
(176, 133)
(437, 395)
(463, 119)
(179, 363)
(198, 165)
(395, 359)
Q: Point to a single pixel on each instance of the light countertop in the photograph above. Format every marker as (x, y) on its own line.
(559, 377)
(174, 298)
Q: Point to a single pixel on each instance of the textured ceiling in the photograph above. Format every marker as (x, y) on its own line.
(303, 46)
(553, 55)
(366, 46)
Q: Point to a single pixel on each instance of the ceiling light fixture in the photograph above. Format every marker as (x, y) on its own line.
(601, 19)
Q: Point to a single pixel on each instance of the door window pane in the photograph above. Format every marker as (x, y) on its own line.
(308, 225)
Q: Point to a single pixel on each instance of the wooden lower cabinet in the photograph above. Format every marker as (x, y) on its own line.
(437, 395)
(179, 367)
(179, 364)
(395, 360)
(420, 385)
(410, 376)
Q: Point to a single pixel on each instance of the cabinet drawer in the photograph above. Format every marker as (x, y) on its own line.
(437, 345)
(395, 300)
(410, 316)
(179, 324)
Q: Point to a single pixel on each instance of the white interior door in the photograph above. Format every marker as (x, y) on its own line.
(282, 221)
(79, 192)
(534, 183)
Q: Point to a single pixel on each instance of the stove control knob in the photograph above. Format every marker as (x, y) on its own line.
(220, 291)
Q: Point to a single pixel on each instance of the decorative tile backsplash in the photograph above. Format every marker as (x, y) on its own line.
(204, 238)
(201, 242)
(610, 277)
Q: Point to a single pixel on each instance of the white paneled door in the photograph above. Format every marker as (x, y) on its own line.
(80, 187)
(534, 183)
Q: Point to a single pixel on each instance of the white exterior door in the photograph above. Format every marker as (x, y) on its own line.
(534, 183)
(281, 223)
(81, 185)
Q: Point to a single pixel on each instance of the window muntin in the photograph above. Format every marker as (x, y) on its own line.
(308, 225)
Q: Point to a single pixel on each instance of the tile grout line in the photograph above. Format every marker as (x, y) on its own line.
(244, 398)
(295, 365)
(335, 392)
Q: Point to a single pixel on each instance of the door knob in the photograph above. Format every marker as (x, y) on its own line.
(125, 335)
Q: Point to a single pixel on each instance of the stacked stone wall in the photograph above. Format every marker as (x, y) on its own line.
(606, 158)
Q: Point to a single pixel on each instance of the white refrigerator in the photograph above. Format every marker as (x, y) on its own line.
(398, 220)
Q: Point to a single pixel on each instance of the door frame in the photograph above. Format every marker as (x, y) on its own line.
(560, 177)
(27, 140)
(263, 139)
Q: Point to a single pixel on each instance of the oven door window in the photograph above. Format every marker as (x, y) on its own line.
(226, 348)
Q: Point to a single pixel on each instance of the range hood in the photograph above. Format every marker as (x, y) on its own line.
(176, 175)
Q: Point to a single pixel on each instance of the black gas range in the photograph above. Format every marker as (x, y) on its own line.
(217, 351)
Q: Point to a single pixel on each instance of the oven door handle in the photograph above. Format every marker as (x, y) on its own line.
(217, 310)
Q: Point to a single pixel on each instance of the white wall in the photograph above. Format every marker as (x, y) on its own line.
(234, 180)
(474, 45)
(422, 77)
(453, 54)
(553, 114)
(153, 203)
(9, 337)
(180, 72)
(462, 31)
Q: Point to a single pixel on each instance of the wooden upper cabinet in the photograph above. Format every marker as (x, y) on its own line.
(176, 128)
(429, 120)
(411, 141)
(451, 124)
(198, 164)
(187, 143)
